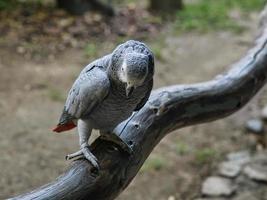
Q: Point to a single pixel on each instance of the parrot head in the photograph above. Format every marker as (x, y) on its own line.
(132, 64)
(133, 71)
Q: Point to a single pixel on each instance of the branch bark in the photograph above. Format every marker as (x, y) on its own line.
(168, 109)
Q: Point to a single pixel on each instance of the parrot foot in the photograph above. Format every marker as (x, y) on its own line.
(111, 137)
(74, 155)
(85, 152)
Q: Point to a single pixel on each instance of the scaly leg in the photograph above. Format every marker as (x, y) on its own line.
(84, 131)
(112, 137)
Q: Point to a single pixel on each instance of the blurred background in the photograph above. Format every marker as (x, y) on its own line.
(45, 43)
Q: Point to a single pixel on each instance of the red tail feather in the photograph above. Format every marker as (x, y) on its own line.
(64, 127)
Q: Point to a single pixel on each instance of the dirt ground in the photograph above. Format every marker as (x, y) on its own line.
(32, 96)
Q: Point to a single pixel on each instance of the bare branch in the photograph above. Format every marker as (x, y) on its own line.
(168, 109)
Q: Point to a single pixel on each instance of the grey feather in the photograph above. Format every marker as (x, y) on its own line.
(88, 91)
(65, 117)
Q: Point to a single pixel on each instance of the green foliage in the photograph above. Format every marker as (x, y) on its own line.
(206, 15)
(90, 50)
(13, 4)
(181, 148)
(246, 5)
(7, 4)
(157, 48)
(153, 163)
(157, 52)
(205, 155)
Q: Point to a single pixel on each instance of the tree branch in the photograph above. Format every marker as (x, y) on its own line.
(168, 109)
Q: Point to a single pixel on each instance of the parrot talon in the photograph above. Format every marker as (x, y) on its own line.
(74, 155)
(89, 156)
(85, 152)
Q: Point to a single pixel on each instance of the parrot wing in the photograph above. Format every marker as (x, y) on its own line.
(87, 92)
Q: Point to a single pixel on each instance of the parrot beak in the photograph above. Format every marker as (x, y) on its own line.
(129, 90)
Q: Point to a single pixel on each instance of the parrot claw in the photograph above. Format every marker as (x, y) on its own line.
(85, 152)
(89, 156)
(74, 155)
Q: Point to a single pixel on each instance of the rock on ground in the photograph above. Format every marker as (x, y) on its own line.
(229, 169)
(256, 172)
(255, 126)
(217, 186)
(241, 157)
(244, 178)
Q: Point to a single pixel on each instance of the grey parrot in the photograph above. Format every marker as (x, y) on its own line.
(106, 93)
